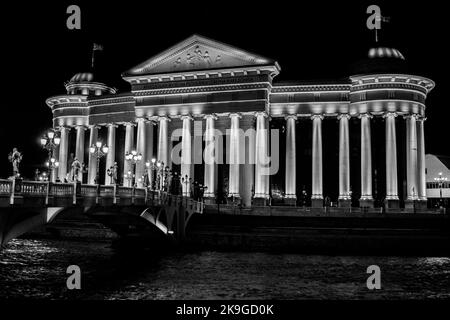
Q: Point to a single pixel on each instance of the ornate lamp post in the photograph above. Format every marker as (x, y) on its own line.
(152, 175)
(186, 181)
(43, 177)
(129, 177)
(99, 151)
(440, 180)
(52, 164)
(160, 174)
(134, 158)
(50, 142)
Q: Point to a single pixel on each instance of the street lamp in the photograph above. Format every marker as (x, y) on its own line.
(185, 180)
(99, 151)
(128, 176)
(134, 158)
(52, 164)
(440, 181)
(49, 142)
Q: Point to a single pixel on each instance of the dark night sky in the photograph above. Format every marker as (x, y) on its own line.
(310, 41)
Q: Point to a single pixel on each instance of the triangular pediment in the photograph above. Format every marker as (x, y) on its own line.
(198, 53)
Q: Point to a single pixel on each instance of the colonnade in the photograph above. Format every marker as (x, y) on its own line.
(260, 148)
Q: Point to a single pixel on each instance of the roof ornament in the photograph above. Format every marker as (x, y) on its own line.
(95, 47)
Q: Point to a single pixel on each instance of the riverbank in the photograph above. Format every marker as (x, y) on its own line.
(369, 234)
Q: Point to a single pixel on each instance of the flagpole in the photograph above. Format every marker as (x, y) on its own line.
(92, 58)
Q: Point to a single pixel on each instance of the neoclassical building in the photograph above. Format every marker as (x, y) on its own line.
(356, 142)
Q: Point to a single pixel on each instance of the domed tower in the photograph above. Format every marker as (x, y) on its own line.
(71, 110)
(382, 85)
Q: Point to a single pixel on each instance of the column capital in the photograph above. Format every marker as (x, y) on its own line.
(60, 128)
(235, 114)
(186, 117)
(365, 115)
(410, 116)
(115, 125)
(141, 120)
(421, 118)
(261, 113)
(129, 124)
(212, 116)
(94, 126)
(317, 116)
(80, 127)
(343, 116)
(290, 116)
(162, 118)
(390, 115)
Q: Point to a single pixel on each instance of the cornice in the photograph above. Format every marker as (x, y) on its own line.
(310, 88)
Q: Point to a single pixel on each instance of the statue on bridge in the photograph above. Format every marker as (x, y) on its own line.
(76, 170)
(112, 173)
(15, 157)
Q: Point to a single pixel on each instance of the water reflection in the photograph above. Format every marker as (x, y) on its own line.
(37, 269)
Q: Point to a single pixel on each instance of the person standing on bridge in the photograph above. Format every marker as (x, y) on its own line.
(15, 157)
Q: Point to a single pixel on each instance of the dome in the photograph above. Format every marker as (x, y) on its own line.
(381, 60)
(384, 52)
(82, 77)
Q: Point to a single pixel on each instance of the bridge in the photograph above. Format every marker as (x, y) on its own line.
(25, 205)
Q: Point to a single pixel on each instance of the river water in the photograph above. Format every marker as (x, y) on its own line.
(37, 269)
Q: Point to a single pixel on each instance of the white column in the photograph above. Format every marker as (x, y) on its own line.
(235, 156)
(247, 175)
(210, 157)
(79, 148)
(391, 157)
(111, 155)
(92, 166)
(163, 143)
(261, 157)
(317, 188)
(291, 158)
(366, 161)
(63, 151)
(411, 158)
(141, 145)
(186, 155)
(421, 181)
(344, 161)
(129, 145)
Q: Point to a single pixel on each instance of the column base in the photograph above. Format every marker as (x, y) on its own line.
(209, 200)
(344, 203)
(317, 203)
(236, 200)
(422, 204)
(290, 201)
(260, 202)
(411, 204)
(366, 203)
(391, 204)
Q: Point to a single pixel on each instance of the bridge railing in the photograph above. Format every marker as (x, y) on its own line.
(126, 192)
(89, 190)
(5, 186)
(35, 188)
(59, 189)
(48, 193)
(107, 191)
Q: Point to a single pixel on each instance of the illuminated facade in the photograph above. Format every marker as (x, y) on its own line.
(227, 89)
